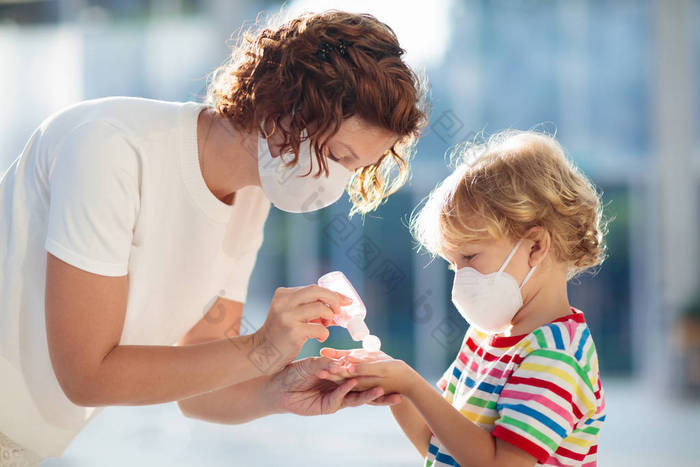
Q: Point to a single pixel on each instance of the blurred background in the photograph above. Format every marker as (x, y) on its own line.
(618, 81)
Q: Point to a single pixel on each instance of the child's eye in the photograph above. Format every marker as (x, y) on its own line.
(468, 257)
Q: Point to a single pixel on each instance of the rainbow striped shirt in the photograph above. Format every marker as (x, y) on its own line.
(539, 391)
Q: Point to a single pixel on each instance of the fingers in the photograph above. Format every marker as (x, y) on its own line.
(334, 353)
(324, 374)
(365, 368)
(313, 311)
(361, 355)
(320, 367)
(365, 382)
(312, 293)
(338, 395)
(313, 365)
(347, 368)
(350, 368)
(354, 399)
(315, 331)
(340, 370)
(325, 322)
(388, 399)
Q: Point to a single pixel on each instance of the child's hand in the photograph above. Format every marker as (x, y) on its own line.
(343, 357)
(353, 355)
(371, 369)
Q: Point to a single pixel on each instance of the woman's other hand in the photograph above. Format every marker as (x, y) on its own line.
(299, 389)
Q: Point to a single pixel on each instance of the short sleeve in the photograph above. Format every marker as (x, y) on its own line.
(236, 287)
(94, 199)
(445, 378)
(542, 402)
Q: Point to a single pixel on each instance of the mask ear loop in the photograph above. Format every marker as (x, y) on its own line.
(505, 263)
(512, 252)
(529, 275)
(264, 139)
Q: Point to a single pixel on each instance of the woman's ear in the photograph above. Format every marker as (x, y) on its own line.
(540, 242)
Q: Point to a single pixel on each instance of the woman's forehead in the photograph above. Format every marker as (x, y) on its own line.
(356, 128)
(368, 142)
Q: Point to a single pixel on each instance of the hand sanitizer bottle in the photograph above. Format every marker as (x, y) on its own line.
(352, 317)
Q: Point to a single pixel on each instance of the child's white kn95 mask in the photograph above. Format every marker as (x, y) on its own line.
(488, 301)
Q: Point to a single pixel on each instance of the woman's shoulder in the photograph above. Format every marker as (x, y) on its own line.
(129, 114)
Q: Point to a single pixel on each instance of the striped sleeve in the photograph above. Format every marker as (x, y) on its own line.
(542, 401)
(445, 378)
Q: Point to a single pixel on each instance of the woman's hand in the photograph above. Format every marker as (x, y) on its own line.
(298, 389)
(288, 324)
(370, 369)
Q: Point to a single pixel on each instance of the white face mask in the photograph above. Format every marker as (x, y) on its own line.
(288, 188)
(488, 301)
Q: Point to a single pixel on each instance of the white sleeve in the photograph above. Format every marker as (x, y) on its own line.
(237, 284)
(94, 199)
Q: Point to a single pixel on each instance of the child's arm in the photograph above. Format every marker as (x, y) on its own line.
(468, 443)
(413, 425)
(405, 413)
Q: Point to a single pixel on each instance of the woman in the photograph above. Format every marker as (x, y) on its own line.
(151, 214)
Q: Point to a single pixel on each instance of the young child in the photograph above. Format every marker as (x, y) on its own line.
(516, 220)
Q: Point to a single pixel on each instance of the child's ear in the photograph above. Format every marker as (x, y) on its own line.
(540, 242)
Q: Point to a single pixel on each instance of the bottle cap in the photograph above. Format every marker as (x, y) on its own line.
(371, 343)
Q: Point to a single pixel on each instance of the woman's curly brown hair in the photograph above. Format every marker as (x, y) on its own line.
(276, 73)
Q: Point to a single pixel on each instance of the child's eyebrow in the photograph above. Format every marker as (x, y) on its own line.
(447, 257)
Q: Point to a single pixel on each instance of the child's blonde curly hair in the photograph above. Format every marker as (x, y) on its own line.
(514, 181)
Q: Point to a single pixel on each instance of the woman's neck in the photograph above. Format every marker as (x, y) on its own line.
(228, 157)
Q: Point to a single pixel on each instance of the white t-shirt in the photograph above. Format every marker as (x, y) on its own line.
(112, 186)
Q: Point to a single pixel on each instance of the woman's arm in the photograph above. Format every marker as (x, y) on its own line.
(235, 404)
(232, 405)
(84, 321)
(297, 388)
